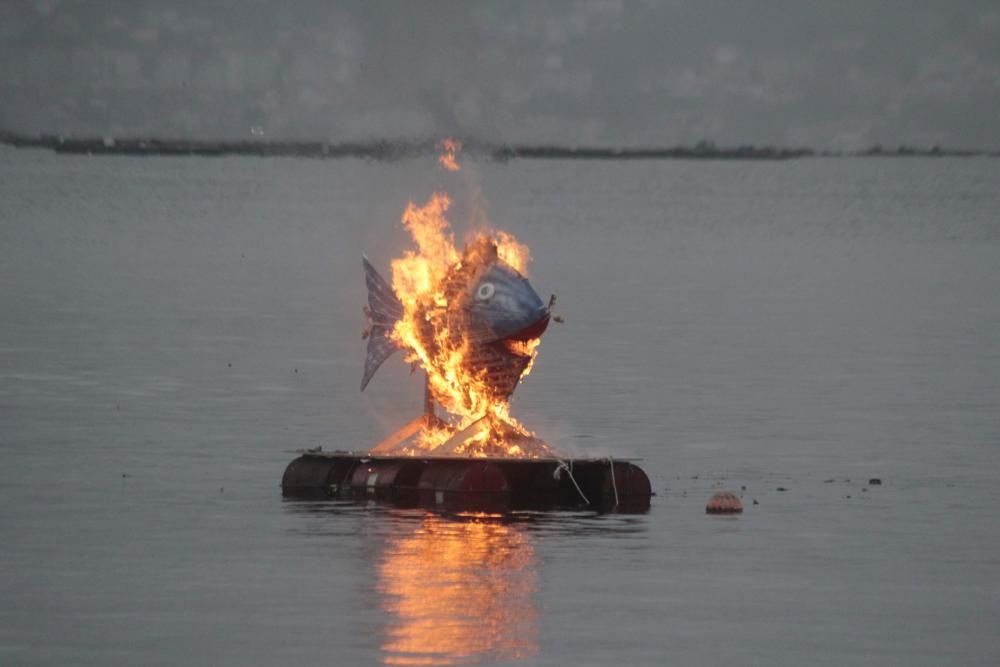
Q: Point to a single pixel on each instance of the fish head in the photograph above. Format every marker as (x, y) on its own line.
(504, 303)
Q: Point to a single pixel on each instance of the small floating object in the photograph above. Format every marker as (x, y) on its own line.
(724, 502)
(874, 481)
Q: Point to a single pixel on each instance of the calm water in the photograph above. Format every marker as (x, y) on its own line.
(171, 327)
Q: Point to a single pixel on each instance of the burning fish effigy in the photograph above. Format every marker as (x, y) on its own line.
(489, 308)
(471, 321)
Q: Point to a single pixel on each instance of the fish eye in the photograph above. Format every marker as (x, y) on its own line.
(485, 291)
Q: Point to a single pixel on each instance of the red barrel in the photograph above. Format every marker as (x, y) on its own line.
(474, 481)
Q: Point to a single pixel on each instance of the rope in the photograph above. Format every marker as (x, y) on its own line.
(339, 486)
(569, 468)
(614, 485)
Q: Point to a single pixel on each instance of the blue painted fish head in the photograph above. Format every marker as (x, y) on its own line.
(505, 303)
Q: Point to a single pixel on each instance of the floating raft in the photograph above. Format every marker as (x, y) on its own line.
(460, 483)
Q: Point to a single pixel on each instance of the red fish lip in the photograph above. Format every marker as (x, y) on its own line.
(532, 331)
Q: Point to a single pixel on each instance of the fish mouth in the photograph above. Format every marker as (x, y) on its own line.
(533, 330)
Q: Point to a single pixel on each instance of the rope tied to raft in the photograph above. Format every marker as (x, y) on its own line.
(569, 469)
(614, 484)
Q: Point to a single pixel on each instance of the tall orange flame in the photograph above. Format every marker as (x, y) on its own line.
(449, 151)
(428, 333)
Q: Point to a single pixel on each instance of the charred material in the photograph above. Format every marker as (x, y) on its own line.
(461, 483)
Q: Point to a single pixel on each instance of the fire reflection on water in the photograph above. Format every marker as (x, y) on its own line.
(459, 590)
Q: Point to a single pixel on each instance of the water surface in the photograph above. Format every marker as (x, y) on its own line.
(172, 327)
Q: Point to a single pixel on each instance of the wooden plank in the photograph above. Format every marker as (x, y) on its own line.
(447, 447)
(399, 437)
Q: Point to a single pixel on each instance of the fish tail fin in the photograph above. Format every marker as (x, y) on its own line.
(384, 310)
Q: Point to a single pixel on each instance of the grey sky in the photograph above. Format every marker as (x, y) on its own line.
(832, 74)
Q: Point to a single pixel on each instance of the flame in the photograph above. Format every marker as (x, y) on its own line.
(527, 348)
(516, 254)
(429, 332)
(417, 274)
(449, 150)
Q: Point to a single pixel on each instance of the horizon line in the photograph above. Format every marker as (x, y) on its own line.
(398, 149)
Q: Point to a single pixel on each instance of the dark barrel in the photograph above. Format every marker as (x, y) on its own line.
(388, 479)
(316, 476)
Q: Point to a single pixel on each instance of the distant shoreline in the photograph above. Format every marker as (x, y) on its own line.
(399, 150)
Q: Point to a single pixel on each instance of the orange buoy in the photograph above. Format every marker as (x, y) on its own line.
(724, 502)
